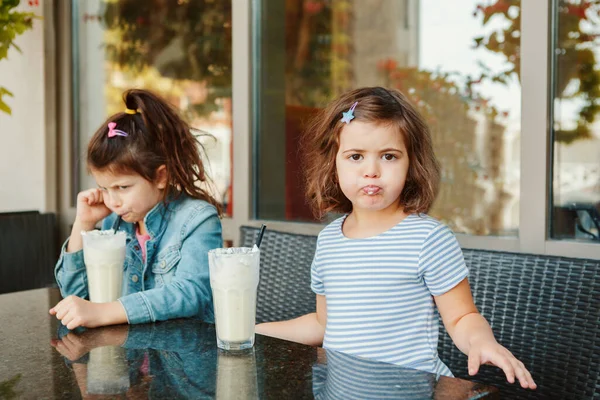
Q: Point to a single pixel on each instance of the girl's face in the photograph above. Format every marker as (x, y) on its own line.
(372, 165)
(130, 195)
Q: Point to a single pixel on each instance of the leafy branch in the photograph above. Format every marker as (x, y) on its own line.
(576, 77)
(12, 24)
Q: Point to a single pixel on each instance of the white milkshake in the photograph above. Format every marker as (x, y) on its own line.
(104, 256)
(234, 274)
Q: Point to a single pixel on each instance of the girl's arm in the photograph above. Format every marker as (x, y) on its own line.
(74, 311)
(90, 210)
(70, 268)
(308, 329)
(473, 336)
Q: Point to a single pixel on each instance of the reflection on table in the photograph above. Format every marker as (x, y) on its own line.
(343, 376)
(180, 359)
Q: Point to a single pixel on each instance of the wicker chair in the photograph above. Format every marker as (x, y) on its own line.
(544, 309)
(29, 249)
(284, 289)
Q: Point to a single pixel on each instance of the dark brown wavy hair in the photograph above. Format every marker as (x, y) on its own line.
(157, 136)
(375, 105)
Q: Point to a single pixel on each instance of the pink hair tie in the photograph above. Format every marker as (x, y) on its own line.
(112, 132)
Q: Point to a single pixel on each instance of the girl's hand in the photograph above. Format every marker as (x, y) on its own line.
(493, 353)
(91, 207)
(74, 311)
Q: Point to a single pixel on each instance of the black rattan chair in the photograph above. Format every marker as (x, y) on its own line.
(546, 311)
(29, 249)
(284, 288)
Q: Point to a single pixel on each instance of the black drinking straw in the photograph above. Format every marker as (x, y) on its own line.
(116, 224)
(260, 235)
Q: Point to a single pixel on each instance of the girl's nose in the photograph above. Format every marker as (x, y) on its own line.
(371, 170)
(114, 201)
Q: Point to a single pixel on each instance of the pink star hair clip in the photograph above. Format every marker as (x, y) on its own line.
(112, 132)
(349, 115)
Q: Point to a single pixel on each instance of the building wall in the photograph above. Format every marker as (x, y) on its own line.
(387, 30)
(23, 148)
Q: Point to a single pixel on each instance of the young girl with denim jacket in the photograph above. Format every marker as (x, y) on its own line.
(148, 168)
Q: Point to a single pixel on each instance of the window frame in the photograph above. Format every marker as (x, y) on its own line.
(536, 166)
(536, 117)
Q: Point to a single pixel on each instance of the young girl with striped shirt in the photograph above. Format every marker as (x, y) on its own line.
(381, 269)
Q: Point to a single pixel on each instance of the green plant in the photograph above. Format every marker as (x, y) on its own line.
(12, 24)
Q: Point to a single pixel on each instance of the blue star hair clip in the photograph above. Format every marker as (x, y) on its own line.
(349, 115)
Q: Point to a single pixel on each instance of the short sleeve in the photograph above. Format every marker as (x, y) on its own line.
(316, 281)
(441, 261)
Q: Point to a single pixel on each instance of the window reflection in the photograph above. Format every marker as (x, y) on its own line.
(576, 132)
(459, 65)
(179, 49)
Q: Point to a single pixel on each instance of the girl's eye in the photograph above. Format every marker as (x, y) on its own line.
(123, 187)
(356, 157)
(389, 157)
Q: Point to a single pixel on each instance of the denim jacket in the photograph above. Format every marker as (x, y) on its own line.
(174, 280)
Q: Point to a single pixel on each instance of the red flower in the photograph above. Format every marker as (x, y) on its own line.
(500, 7)
(312, 7)
(578, 10)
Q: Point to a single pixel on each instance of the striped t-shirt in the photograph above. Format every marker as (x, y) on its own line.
(379, 290)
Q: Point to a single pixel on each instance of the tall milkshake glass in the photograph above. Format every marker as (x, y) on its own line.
(104, 256)
(234, 276)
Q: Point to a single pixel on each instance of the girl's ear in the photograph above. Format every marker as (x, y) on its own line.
(161, 177)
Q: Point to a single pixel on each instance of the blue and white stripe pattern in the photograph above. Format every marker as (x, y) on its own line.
(379, 290)
(349, 377)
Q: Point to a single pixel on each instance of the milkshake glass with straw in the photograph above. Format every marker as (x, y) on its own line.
(234, 274)
(234, 282)
(104, 256)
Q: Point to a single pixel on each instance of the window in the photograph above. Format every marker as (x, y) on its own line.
(181, 50)
(575, 200)
(459, 66)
